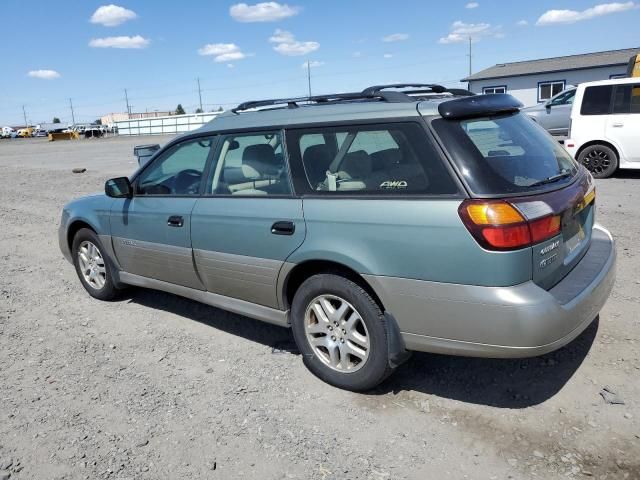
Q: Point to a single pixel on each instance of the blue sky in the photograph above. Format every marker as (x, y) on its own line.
(243, 51)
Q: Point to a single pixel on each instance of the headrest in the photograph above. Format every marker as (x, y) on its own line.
(260, 160)
(357, 164)
(316, 160)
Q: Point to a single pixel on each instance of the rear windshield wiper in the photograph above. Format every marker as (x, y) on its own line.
(551, 179)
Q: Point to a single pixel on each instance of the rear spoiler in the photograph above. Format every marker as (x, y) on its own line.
(479, 106)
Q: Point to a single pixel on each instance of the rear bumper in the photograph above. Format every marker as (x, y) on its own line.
(519, 321)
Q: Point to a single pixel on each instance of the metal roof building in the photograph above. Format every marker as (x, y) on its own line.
(535, 81)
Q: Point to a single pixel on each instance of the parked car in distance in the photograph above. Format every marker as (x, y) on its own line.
(372, 223)
(605, 126)
(554, 115)
(7, 132)
(39, 133)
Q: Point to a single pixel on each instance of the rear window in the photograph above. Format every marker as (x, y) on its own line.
(506, 154)
(382, 159)
(627, 99)
(596, 100)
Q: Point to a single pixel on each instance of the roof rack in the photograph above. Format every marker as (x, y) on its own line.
(376, 92)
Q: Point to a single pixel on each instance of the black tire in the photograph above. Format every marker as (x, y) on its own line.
(376, 367)
(108, 290)
(600, 160)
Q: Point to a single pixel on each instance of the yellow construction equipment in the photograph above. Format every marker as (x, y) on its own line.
(64, 136)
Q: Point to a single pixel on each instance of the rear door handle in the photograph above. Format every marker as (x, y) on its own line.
(283, 228)
(175, 221)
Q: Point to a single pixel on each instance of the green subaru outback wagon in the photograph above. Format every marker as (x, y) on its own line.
(400, 218)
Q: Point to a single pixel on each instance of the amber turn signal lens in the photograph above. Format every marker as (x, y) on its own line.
(493, 213)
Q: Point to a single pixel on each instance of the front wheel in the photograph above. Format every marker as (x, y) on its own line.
(93, 268)
(341, 332)
(600, 160)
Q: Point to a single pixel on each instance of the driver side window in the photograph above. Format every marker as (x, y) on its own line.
(177, 172)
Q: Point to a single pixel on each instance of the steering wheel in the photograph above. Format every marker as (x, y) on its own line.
(187, 182)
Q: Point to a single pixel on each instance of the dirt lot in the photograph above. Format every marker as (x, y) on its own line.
(155, 386)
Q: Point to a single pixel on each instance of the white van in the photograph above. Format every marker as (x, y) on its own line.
(7, 132)
(605, 126)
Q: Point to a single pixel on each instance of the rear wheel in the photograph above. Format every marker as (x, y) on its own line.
(93, 268)
(600, 160)
(341, 332)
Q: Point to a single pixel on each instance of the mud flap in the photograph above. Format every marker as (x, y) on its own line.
(398, 354)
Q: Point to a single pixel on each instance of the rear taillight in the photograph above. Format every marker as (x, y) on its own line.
(498, 225)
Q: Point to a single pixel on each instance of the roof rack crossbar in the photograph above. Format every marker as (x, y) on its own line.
(293, 102)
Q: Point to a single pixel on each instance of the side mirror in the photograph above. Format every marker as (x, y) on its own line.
(119, 187)
(548, 106)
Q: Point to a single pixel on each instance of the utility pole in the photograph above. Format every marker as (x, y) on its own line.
(126, 98)
(469, 56)
(25, 116)
(309, 76)
(200, 94)
(73, 117)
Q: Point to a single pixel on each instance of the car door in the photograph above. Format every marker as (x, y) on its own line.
(152, 231)
(559, 113)
(623, 125)
(248, 222)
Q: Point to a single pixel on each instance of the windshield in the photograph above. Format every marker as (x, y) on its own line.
(505, 154)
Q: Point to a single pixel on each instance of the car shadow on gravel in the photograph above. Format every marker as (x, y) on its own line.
(279, 339)
(503, 383)
(626, 173)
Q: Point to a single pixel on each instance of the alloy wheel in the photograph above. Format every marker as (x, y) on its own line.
(596, 161)
(92, 265)
(337, 333)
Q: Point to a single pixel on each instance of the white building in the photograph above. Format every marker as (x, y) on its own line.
(164, 125)
(534, 81)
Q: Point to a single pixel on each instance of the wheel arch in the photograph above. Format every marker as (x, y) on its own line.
(301, 271)
(74, 227)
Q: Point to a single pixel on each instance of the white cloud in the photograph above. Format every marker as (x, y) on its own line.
(112, 15)
(357, 54)
(312, 64)
(120, 42)
(472, 5)
(396, 37)
(387, 55)
(286, 44)
(552, 17)
(222, 52)
(460, 32)
(262, 12)
(44, 74)
(522, 23)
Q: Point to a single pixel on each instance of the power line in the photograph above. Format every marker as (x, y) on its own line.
(309, 76)
(126, 98)
(25, 116)
(200, 93)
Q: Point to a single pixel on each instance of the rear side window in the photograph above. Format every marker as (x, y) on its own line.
(374, 159)
(627, 99)
(596, 100)
(505, 154)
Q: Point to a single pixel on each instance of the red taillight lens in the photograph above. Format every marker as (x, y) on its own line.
(498, 225)
(507, 237)
(544, 228)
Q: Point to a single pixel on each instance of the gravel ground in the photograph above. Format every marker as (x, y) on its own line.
(155, 386)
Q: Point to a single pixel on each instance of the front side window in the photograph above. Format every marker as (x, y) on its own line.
(373, 159)
(546, 90)
(596, 100)
(627, 99)
(501, 89)
(565, 98)
(251, 164)
(178, 171)
(505, 154)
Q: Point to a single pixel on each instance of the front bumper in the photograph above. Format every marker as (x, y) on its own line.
(519, 321)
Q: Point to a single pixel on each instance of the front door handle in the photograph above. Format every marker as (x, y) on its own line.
(175, 221)
(283, 228)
